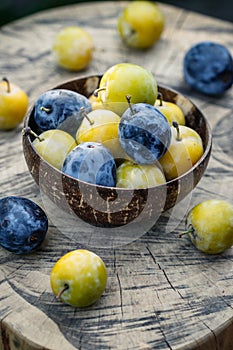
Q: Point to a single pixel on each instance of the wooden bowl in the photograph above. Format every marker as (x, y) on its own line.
(113, 207)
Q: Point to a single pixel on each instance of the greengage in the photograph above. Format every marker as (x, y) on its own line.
(185, 149)
(101, 125)
(209, 225)
(95, 102)
(125, 79)
(79, 278)
(54, 145)
(141, 24)
(73, 48)
(171, 111)
(13, 105)
(132, 175)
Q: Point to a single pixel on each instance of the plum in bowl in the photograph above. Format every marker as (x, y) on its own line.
(113, 206)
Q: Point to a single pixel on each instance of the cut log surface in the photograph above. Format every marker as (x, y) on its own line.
(162, 293)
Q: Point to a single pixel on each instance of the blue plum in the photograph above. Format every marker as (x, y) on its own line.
(144, 133)
(208, 68)
(54, 108)
(91, 162)
(23, 224)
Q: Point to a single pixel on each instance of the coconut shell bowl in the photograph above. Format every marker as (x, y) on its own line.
(111, 206)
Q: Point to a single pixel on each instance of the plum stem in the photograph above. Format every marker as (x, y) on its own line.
(181, 234)
(82, 110)
(190, 230)
(176, 125)
(160, 98)
(58, 296)
(128, 98)
(47, 110)
(8, 85)
(27, 131)
(96, 92)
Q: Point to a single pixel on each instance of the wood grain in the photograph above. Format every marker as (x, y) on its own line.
(161, 293)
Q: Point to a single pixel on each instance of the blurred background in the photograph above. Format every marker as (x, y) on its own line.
(13, 9)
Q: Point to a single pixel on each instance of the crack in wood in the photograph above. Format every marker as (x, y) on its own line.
(164, 272)
(121, 297)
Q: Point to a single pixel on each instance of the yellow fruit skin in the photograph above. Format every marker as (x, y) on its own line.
(131, 175)
(54, 146)
(141, 24)
(181, 155)
(171, 111)
(101, 126)
(13, 106)
(212, 224)
(125, 79)
(85, 274)
(73, 48)
(95, 102)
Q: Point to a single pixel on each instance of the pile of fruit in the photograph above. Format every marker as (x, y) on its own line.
(124, 135)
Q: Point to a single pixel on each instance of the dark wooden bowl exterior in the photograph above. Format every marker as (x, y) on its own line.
(91, 203)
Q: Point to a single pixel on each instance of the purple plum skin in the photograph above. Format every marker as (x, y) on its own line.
(145, 135)
(23, 224)
(91, 162)
(208, 68)
(54, 107)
